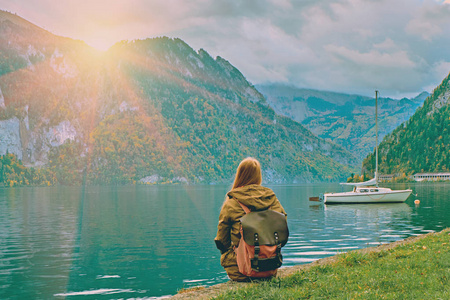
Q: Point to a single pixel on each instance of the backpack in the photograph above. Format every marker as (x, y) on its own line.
(263, 233)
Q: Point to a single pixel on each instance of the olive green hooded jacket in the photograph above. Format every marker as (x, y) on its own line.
(255, 197)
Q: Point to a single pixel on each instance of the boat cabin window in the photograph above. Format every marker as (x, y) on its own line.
(363, 190)
(375, 190)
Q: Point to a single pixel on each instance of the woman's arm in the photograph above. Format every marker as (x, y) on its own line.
(223, 238)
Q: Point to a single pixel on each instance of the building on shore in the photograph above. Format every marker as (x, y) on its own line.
(386, 177)
(431, 176)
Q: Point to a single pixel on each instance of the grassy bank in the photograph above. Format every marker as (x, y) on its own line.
(416, 270)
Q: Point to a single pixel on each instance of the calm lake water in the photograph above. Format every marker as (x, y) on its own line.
(150, 241)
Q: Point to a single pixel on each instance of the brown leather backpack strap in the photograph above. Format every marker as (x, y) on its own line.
(245, 208)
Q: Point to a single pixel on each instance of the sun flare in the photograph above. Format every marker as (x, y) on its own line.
(102, 34)
(101, 42)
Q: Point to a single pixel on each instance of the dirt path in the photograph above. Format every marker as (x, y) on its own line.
(215, 290)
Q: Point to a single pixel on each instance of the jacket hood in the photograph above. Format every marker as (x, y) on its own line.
(255, 197)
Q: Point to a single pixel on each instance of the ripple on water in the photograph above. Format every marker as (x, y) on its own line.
(107, 276)
(314, 253)
(298, 260)
(95, 292)
(294, 247)
(390, 236)
(343, 248)
(326, 241)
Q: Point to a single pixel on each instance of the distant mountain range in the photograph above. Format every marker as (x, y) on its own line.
(347, 120)
(421, 144)
(149, 110)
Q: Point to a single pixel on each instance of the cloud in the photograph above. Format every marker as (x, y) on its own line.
(373, 58)
(400, 47)
(430, 21)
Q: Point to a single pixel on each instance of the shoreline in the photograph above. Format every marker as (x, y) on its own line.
(215, 290)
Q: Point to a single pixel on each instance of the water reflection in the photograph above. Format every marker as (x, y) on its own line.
(367, 210)
(374, 223)
(340, 228)
(36, 241)
(139, 241)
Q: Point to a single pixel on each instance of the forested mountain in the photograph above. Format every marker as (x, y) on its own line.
(347, 120)
(153, 110)
(421, 144)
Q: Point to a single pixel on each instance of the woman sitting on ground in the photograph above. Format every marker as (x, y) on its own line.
(246, 189)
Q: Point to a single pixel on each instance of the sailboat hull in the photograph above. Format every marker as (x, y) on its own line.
(396, 196)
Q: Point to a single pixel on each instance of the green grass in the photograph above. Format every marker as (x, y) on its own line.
(418, 270)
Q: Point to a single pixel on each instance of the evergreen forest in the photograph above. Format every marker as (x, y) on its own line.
(421, 144)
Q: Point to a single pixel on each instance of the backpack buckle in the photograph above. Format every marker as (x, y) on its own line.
(254, 261)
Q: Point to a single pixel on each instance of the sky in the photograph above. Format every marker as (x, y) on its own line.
(399, 47)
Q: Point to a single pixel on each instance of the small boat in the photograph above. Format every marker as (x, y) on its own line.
(367, 194)
(368, 191)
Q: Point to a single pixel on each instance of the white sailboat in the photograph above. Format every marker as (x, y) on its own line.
(368, 191)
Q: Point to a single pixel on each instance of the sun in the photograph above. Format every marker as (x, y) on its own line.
(101, 42)
(102, 34)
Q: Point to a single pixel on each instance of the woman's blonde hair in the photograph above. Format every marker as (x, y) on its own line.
(248, 172)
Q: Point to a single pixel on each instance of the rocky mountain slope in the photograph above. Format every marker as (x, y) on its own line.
(347, 120)
(149, 110)
(421, 144)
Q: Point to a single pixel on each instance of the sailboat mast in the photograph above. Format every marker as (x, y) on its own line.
(376, 138)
